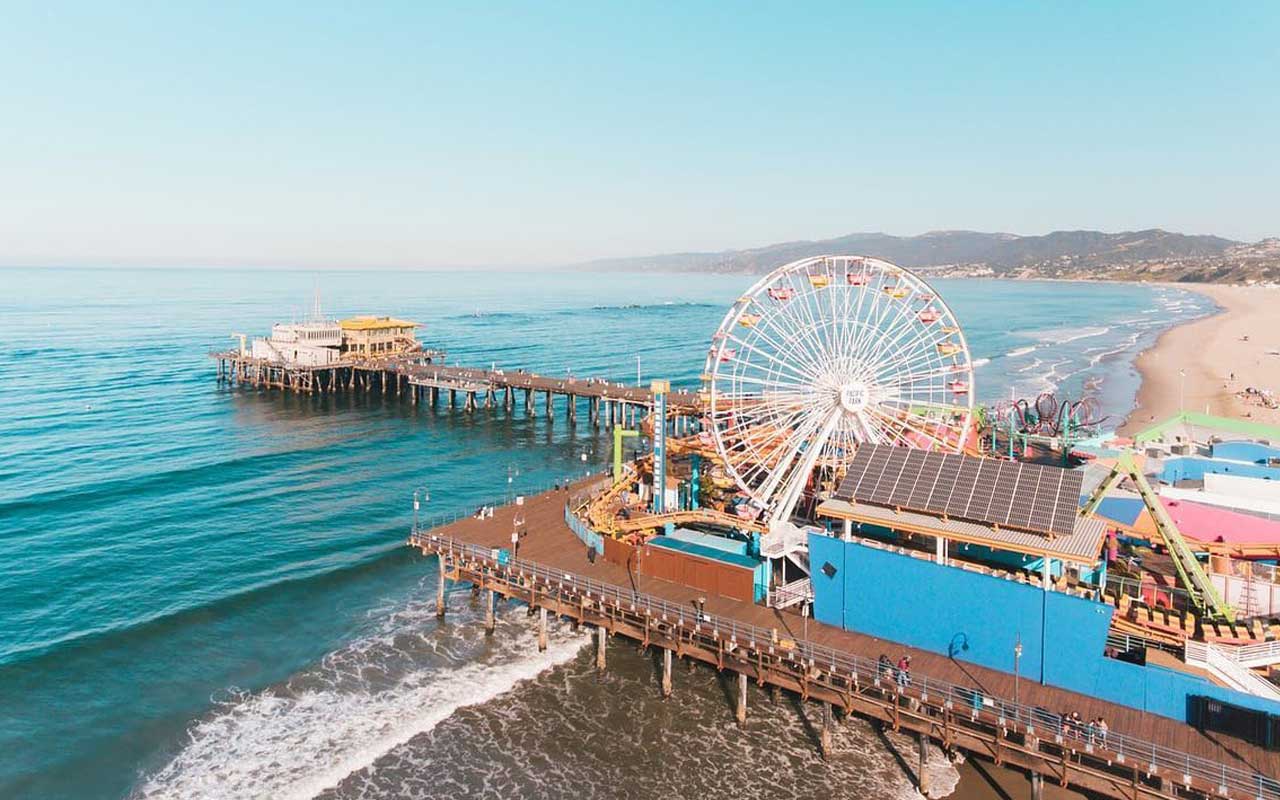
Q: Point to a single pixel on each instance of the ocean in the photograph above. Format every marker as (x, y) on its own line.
(206, 591)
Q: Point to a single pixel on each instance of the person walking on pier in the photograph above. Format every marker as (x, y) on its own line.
(904, 671)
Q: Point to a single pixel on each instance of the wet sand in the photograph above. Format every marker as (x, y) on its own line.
(1221, 355)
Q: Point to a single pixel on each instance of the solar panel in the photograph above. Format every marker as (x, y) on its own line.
(923, 489)
(966, 484)
(1029, 497)
(1024, 499)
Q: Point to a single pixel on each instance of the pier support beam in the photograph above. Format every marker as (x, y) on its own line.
(542, 630)
(602, 638)
(440, 588)
(489, 622)
(824, 736)
(666, 673)
(550, 408)
(922, 773)
(1037, 786)
(742, 699)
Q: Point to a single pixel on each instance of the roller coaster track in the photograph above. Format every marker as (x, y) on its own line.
(699, 515)
(1202, 593)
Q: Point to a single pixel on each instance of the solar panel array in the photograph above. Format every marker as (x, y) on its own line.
(1029, 497)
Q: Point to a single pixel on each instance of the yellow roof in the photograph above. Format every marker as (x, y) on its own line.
(375, 323)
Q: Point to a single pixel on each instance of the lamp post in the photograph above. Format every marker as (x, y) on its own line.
(1017, 662)
(512, 472)
(420, 496)
(1182, 390)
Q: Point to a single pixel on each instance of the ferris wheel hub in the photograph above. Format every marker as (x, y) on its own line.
(854, 396)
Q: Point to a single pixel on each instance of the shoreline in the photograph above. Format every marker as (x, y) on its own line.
(1225, 353)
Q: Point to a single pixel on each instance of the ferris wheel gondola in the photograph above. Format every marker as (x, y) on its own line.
(825, 354)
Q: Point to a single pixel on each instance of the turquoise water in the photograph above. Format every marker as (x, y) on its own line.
(205, 589)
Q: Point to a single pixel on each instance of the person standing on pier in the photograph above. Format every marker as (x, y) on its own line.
(904, 671)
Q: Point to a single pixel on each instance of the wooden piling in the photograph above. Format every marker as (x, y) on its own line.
(489, 618)
(542, 630)
(666, 673)
(601, 643)
(922, 772)
(440, 588)
(742, 698)
(824, 736)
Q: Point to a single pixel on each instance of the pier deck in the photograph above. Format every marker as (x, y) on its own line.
(551, 549)
(420, 378)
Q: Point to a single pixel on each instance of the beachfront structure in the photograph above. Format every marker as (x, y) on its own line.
(319, 342)
(314, 343)
(370, 336)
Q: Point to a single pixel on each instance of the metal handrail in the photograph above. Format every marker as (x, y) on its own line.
(1133, 589)
(1124, 642)
(1152, 757)
(443, 518)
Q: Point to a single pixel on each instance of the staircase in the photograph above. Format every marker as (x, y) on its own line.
(1262, 654)
(1222, 664)
(790, 594)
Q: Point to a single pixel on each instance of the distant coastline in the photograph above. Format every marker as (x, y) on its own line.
(1210, 364)
(1151, 255)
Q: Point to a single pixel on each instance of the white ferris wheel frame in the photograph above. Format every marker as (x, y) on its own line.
(818, 371)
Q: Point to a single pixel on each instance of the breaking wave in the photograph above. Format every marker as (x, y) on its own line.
(299, 739)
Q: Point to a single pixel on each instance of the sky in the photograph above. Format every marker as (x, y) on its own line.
(369, 135)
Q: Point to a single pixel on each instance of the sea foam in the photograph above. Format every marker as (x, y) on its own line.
(296, 741)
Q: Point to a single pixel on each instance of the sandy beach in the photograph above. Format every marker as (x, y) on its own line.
(1222, 356)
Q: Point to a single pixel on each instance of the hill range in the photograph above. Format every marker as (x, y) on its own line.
(1149, 255)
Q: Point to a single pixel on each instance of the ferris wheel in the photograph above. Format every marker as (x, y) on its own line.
(827, 353)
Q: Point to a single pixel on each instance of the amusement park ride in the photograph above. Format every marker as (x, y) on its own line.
(822, 355)
(1045, 423)
(818, 358)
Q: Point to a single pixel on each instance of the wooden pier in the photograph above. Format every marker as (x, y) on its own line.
(958, 706)
(420, 379)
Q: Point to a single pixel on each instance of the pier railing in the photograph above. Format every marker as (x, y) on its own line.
(1110, 747)
(443, 518)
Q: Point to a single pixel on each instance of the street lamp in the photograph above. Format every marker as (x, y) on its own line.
(1017, 660)
(1182, 390)
(512, 472)
(420, 496)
